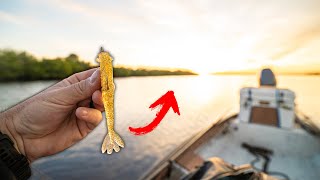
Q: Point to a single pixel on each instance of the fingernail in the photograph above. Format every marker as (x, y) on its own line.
(94, 76)
(84, 112)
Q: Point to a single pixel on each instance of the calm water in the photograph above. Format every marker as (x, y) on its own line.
(202, 99)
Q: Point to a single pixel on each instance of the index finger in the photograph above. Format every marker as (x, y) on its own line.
(74, 78)
(80, 76)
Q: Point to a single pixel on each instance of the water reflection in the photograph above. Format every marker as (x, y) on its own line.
(201, 90)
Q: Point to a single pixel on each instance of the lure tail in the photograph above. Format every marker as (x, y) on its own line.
(111, 142)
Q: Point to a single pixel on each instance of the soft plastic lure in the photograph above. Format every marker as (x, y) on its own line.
(112, 141)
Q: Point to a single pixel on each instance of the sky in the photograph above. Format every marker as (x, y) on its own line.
(201, 35)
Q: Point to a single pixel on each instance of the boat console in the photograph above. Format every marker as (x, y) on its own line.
(267, 104)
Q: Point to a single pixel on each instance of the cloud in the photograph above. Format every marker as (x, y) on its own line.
(103, 14)
(4, 16)
(23, 20)
(297, 41)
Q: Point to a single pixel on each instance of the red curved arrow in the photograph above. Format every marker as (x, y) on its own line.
(166, 101)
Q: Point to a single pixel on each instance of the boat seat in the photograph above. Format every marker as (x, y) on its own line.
(267, 78)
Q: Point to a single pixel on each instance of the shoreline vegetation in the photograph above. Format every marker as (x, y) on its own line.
(22, 66)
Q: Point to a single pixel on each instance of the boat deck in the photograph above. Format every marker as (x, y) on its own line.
(295, 153)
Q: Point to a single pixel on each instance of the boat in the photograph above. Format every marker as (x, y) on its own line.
(268, 139)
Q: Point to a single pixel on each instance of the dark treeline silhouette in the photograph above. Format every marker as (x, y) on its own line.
(19, 66)
(22, 66)
(125, 72)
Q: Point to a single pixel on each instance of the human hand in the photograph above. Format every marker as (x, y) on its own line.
(57, 117)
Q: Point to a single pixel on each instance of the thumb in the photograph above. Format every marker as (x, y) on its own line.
(82, 90)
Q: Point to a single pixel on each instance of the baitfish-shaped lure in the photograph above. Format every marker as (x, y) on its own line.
(112, 141)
